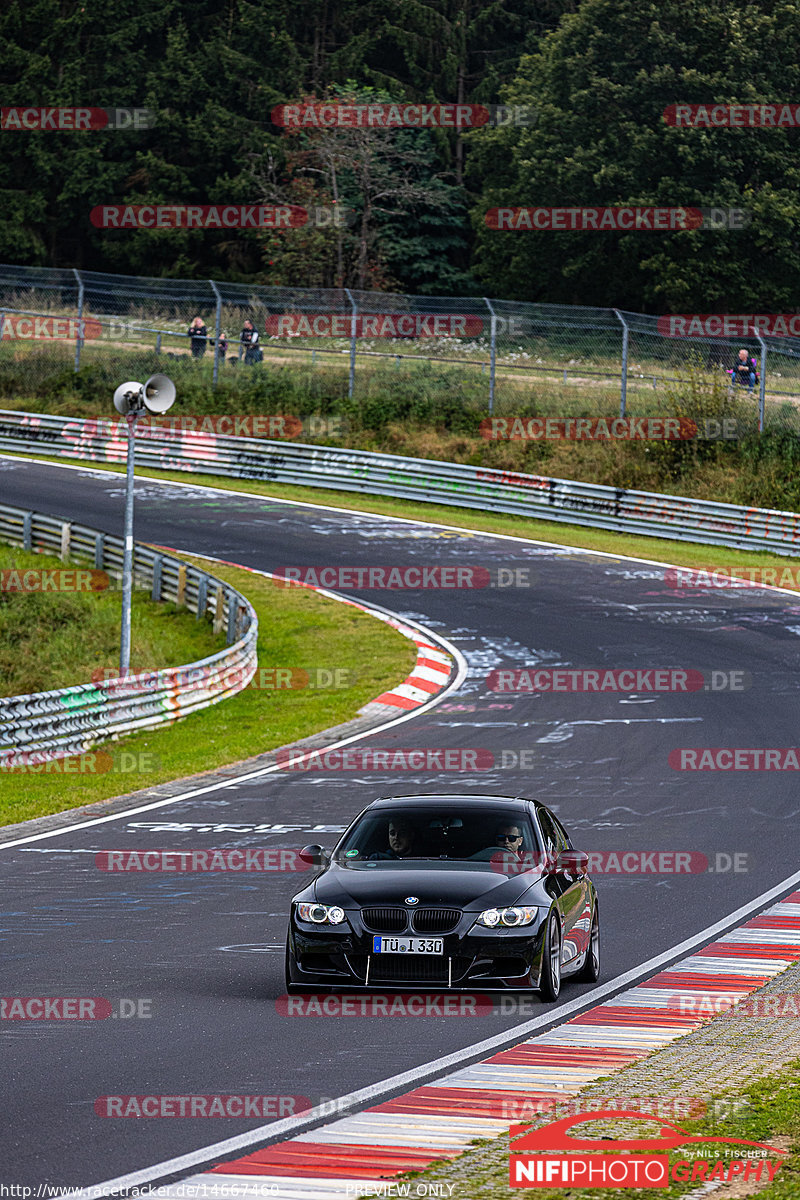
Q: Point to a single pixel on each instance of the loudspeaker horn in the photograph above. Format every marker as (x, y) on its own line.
(158, 393)
(126, 397)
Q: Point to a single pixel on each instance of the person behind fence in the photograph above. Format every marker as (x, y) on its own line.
(223, 345)
(249, 340)
(744, 371)
(199, 335)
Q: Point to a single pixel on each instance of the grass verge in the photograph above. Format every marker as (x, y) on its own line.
(58, 638)
(298, 630)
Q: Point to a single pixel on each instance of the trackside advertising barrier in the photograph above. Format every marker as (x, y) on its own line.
(485, 489)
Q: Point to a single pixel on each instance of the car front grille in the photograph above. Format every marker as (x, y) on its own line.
(407, 968)
(384, 920)
(436, 920)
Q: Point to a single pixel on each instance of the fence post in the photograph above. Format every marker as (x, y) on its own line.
(763, 385)
(202, 597)
(218, 331)
(158, 562)
(353, 317)
(623, 391)
(79, 339)
(492, 353)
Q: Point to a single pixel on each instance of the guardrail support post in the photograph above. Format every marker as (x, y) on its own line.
(99, 549)
(492, 354)
(202, 597)
(353, 318)
(181, 595)
(218, 332)
(27, 531)
(623, 391)
(219, 609)
(157, 565)
(66, 536)
(79, 338)
(232, 615)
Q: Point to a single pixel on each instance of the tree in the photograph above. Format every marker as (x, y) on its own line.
(601, 83)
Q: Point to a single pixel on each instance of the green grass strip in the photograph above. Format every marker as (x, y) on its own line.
(298, 630)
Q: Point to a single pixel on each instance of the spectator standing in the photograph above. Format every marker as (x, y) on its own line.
(199, 335)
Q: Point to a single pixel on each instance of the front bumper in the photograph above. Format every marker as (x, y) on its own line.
(492, 958)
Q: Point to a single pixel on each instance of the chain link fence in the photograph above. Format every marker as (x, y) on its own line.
(343, 351)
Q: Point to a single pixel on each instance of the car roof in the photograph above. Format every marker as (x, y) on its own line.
(449, 799)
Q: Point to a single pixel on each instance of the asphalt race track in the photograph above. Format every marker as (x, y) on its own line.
(207, 950)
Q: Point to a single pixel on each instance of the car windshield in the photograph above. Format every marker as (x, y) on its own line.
(431, 833)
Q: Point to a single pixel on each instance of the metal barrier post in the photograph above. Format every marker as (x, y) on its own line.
(353, 317)
(79, 338)
(492, 354)
(763, 384)
(218, 332)
(623, 392)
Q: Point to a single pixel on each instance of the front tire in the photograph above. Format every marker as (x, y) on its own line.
(550, 984)
(590, 971)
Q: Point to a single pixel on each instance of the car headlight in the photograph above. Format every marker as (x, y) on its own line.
(507, 917)
(320, 914)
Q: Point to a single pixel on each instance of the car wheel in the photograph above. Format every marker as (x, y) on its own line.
(550, 983)
(590, 971)
(292, 988)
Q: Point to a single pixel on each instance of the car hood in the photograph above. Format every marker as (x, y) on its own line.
(457, 884)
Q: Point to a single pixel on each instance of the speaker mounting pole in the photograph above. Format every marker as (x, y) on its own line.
(134, 400)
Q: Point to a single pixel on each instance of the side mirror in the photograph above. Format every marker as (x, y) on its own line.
(314, 856)
(574, 862)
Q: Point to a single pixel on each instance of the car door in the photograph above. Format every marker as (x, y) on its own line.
(570, 885)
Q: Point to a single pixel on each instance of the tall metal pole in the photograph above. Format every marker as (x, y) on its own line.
(353, 326)
(79, 338)
(492, 354)
(218, 331)
(623, 391)
(127, 559)
(762, 395)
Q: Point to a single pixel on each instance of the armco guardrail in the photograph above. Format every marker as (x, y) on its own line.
(429, 480)
(47, 725)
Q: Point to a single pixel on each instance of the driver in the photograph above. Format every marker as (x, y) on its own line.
(401, 840)
(508, 838)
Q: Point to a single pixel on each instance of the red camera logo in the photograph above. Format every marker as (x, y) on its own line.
(585, 429)
(58, 580)
(729, 325)
(47, 329)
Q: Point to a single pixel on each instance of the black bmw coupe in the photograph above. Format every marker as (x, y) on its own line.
(446, 891)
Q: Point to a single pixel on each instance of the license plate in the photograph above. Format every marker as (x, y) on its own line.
(407, 945)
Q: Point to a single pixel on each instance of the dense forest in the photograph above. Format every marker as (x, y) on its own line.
(598, 76)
